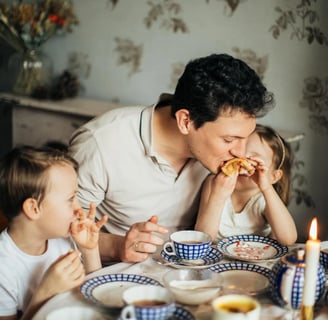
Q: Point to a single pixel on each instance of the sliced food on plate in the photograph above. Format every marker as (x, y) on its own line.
(251, 248)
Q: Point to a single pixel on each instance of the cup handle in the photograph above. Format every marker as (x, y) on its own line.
(128, 313)
(169, 249)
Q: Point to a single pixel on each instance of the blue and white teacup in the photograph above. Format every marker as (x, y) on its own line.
(147, 302)
(188, 245)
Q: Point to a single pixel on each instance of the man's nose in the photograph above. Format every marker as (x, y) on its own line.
(239, 149)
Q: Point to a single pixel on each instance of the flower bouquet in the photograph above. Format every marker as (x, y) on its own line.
(26, 26)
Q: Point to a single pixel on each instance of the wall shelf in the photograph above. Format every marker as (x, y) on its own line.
(35, 122)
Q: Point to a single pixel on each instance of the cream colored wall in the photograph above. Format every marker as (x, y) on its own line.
(212, 27)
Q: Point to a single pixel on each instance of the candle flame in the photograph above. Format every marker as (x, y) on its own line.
(313, 229)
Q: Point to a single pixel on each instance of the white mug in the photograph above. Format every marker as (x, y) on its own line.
(235, 307)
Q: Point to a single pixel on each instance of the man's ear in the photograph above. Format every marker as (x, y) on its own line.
(276, 175)
(183, 120)
(31, 209)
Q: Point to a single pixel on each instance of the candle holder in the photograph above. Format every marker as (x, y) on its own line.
(287, 280)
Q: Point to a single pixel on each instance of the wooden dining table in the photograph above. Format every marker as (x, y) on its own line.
(152, 269)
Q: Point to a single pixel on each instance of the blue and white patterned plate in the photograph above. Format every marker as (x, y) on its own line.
(251, 248)
(106, 290)
(243, 278)
(181, 313)
(212, 257)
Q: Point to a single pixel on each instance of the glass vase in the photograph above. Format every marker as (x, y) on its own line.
(32, 70)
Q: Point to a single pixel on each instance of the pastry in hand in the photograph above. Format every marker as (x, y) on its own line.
(238, 165)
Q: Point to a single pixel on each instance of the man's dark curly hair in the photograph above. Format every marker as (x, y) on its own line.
(217, 83)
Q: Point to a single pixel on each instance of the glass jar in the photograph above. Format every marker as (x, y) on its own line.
(32, 70)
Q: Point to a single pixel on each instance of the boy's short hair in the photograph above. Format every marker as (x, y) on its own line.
(24, 174)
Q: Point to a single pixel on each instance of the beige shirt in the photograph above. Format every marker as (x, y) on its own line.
(121, 172)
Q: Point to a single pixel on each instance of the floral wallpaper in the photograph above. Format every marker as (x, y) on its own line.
(130, 51)
(301, 21)
(315, 99)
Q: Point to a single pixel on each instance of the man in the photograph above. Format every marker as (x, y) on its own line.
(144, 166)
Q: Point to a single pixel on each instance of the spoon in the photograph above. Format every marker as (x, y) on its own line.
(160, 260)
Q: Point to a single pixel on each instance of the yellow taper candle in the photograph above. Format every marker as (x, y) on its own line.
(312, 254)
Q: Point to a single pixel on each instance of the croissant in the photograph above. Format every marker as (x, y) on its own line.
(240, 165)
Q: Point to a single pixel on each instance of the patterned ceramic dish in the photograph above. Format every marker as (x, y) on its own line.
(106, 290)
(193, 287)
(251, 248)
(324, 259)
(180, 313)
(243, 278)
(212, 257)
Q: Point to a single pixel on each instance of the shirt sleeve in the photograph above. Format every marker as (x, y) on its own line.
(92, 177)
(8, 302)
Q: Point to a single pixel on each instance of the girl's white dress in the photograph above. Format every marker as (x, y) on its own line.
(250, 220)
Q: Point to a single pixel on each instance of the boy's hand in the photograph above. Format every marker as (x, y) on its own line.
(64, 274)
(84, 230)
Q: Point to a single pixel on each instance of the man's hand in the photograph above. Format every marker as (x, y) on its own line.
(140, 240)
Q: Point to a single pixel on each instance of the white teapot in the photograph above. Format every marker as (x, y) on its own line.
(287, 280)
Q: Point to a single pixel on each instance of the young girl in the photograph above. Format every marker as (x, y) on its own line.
(255, 204)
(39, 258)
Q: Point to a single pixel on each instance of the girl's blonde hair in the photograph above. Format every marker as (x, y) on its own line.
(282, 159)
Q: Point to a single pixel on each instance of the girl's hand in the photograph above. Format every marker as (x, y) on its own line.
(222, 186)
(262, 175)
(84, 230)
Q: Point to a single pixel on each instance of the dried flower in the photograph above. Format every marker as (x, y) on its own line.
(27, 25)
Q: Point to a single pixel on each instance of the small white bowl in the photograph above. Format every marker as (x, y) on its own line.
(75, 312)
(272, 312)
(193, 286)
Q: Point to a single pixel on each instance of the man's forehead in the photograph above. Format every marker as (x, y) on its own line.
(236, 122)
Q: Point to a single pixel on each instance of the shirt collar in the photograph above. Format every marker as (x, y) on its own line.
(146, 124)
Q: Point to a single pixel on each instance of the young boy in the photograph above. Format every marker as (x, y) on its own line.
(39, 258)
